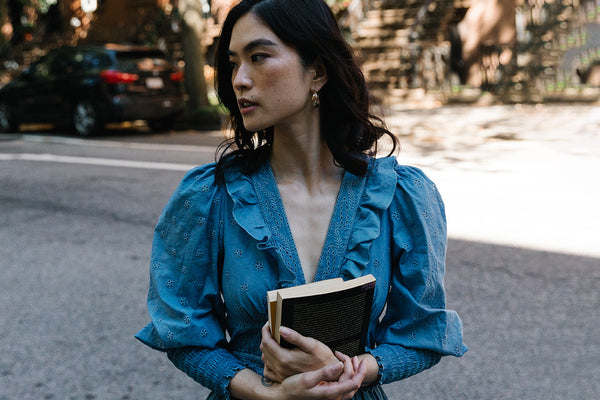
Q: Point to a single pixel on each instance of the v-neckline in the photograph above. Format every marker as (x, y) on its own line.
(338, 231)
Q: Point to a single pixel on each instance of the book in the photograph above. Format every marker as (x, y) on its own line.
(334, 311)
(307, 288)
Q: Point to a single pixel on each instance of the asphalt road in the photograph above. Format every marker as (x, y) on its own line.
(76, 220)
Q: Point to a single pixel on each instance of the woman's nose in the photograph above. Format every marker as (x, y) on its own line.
(241, 79)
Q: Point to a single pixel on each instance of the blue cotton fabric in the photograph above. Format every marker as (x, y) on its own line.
(218, 249)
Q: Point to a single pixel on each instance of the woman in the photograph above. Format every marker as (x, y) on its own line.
(300, 175)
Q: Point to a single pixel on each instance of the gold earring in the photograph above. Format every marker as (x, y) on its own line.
(315, 99)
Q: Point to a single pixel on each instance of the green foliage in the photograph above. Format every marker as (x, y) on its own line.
(44, 5)
(41, 5)
(203, 118)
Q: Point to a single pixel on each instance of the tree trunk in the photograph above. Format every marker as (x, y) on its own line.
(193, 25)
(15, 10)
(486, 21)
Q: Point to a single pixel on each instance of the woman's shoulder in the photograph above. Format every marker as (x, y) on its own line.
(405, 184)
(199, 178)
(388, 170)
(196, 190)
(405, 174)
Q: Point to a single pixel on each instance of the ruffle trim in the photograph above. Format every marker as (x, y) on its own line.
(252, 197)
(246, 207)
(377, 196)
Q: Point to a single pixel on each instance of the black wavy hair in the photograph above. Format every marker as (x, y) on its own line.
(308, 26)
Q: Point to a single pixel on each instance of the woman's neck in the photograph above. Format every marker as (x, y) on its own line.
(308, 182)
(304, 158)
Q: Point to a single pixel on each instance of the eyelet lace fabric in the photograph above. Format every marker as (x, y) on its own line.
(338, 233)
(217, 251)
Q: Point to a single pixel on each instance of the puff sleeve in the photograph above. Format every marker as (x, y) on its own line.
(416, 329)
(184, 301)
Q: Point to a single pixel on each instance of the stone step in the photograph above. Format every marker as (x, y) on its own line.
(391, 20)
(376, 45)
(375, 85)
(396, 4)
(395, 13)
(389, 56)
(369, 27)
(379, 31)
(387, 33)
(388, 4)
(385, 75)
(385, 69)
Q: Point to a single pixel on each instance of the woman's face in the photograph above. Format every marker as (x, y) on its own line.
(271, 85)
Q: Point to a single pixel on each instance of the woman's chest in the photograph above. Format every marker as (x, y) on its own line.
(247, 273)
(251, 268)
(309, 217)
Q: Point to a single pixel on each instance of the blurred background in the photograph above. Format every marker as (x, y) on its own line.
(104, 104)
(518, 50)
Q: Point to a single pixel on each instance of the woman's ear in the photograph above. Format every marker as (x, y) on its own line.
(320, 77)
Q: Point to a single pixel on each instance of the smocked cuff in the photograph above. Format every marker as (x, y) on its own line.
(397, 362)
(213, 369)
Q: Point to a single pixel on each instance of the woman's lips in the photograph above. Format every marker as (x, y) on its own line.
(246, 105)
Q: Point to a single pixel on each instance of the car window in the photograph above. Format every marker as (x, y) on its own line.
(46, 68)
(86, 60)
(68, 61)
(58, 63)
(40, 70)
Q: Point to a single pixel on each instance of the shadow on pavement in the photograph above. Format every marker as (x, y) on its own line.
(530, 320)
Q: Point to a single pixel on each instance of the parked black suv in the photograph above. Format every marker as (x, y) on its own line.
(84, 87)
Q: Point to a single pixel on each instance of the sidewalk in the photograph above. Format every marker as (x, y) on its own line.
(524, 175)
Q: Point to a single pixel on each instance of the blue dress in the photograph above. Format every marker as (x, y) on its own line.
(218, 249)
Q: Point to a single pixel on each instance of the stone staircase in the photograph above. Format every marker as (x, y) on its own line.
(403, 45)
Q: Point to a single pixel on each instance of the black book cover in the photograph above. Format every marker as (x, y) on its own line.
(338, 319)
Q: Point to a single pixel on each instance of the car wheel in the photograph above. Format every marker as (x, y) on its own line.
(86, 120)
(7, 121)
(163, 124)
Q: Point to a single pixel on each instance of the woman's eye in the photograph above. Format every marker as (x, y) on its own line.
(232, 64)
(258, 57)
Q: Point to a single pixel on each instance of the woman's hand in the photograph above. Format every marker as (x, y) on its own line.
(338, 381)
(280, 363)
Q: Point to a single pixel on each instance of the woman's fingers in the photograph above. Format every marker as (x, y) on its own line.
(305, 344)
(329, 373)
(271, 375)
(307, 355)
(338, 381)
(348, 371)
(340, 356)
(302, 342)
(269, 349)
(266, 338)
(360, 371)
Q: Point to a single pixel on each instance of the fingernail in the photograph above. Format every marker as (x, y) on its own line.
(284, 331)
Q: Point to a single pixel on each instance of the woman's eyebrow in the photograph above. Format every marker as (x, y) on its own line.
(253, 45)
